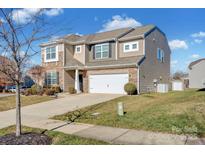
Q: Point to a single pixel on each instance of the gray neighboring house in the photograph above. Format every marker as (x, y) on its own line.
(197, 74)
(105, 62)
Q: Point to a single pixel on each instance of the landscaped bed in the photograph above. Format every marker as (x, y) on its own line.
(173, 112)
(57, 138)
(8, 102)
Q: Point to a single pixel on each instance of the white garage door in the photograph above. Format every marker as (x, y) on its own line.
(177, 86)
(109, 83)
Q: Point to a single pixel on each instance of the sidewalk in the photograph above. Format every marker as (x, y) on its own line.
(117, 135)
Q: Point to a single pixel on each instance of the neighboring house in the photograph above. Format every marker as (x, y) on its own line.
(37, 74)
(197, 74)
(4, 80)
(104, 62)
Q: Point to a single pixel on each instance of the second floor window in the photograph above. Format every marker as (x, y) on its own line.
(77, 49)
(160, 55)
(130, 46)
(51, 53)
(102, 51)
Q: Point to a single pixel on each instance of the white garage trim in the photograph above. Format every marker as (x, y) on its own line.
(108, 83)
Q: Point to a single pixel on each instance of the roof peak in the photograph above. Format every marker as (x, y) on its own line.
(195, 62)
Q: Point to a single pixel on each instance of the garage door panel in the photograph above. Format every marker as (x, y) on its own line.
(109, 83)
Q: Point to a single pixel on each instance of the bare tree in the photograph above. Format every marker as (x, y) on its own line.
(179, 75)
(37, 73)
(17, 41)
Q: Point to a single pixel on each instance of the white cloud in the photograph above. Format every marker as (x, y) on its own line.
(118, 21)
(2, 20)
(198, 41)
(178, 44)
(53, 12)
(174, 63)
(23, 16)
(199, 34)
(195, 56)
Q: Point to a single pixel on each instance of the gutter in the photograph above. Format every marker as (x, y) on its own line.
(101, 66)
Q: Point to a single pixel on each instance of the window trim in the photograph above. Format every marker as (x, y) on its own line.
(102, 51)
(54, 71)
(130, 46)
(78, 46)
(45, 53)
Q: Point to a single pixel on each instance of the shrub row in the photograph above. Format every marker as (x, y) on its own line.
(38, 90)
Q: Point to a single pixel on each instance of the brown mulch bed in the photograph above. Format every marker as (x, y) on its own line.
(25, 139)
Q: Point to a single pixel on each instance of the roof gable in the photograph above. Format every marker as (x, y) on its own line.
(195, 62)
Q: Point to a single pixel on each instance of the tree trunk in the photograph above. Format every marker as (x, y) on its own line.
(18, 110)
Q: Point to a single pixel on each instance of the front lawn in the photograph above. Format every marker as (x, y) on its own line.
(8, 102)
(173, 112)
(58, 138)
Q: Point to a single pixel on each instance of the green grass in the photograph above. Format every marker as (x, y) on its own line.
(173, 112)
(58, 138)
(7, 103)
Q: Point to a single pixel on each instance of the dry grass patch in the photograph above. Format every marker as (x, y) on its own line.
(7, 103)
(184, 111)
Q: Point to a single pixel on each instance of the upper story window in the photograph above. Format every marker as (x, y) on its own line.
(131, 46)
(160, 55)
(102, 51)
(78, 49)
(51, 54)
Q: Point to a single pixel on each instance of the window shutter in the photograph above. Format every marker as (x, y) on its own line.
(93, 51)
(110, 50)
(46, 79)
(57, 78)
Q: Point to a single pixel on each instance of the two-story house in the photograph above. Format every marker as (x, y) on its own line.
(105, 62)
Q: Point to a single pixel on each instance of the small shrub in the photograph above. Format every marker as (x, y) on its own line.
(71, 90)
(36, 89)
(57, 89)
(49, 92)
(28, 92)
(130, 88)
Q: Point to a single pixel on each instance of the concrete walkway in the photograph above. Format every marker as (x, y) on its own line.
(6, 94)
(117, 135)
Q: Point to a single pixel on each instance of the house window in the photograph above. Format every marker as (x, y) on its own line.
(51, 54)
(102, 51)
(51, 78)
(131, 46)
(78, 49)
(160, 55)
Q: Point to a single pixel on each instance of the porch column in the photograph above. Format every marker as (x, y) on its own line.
(77, 84)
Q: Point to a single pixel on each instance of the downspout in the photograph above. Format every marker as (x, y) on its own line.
(138, 79)
(116, 49)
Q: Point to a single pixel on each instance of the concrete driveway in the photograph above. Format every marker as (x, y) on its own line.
(43, 111)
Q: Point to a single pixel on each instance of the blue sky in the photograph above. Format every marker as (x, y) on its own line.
(185, 28)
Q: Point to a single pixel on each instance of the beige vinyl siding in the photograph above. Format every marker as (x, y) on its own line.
(197, 75)
(69, 79)
(151, 68)
(80, 56)
(132, 53)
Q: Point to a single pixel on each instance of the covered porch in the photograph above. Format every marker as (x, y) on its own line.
(74, 78)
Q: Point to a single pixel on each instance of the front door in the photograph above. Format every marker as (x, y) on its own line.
(81, 82)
